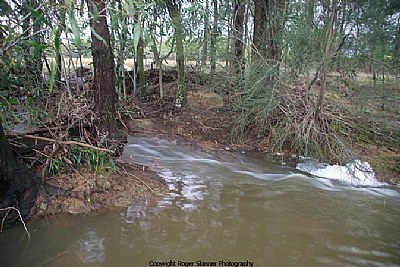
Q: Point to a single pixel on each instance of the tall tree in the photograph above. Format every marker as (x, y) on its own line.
(103, 63)
(269, 19)
(140, 53)
(326, 56)
(174, 8)
(396, 52)
(205, 34)
(259, 21)
(213, 41)
(57, 47)
(239, 11)
(140, 61)
(122, 29)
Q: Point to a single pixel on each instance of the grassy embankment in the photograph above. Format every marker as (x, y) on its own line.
(374, 109)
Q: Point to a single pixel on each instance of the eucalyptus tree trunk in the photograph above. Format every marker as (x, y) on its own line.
(205, 35)
(259, 23)
(175, 14)
(61, 27)
(140, 61)
(269, 19)
(396, 53)
(239, 11)
(213, 41)
(246, 33)
(229, 36)
(156, 51)
(104, 74)
(326, 58)
(158, 59)
(121, 53)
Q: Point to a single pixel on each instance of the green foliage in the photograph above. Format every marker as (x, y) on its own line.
(253, 98)
(74, 26)
(55, 165)
(137, 34)
(304, 47)
(43, 205)
(14, 111)
(99, 161)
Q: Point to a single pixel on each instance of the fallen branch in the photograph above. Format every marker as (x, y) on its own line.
(8, 209)
(35, 131)
(68, 143)
(134, 176)
(122, 122)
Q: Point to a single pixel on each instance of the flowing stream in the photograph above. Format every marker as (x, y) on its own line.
(223, 209)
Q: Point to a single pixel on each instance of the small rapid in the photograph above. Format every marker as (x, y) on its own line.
(222, 206)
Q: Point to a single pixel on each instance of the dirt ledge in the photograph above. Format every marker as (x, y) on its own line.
(86, 191)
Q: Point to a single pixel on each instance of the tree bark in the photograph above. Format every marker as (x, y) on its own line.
(229, 37)
(396, 52)
(140, 60)
(327, 58)
(59, 31)
(269, 19)
(104, 75)
(246, 33)
(175, 14)
(213, 41)
(239, 11)
(123, 37)
(258, 21)
(17, 185)
(205, 35)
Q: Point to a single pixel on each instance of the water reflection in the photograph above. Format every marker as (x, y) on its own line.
(91, 248)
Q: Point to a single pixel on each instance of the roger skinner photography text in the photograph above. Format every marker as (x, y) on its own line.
(201, 263)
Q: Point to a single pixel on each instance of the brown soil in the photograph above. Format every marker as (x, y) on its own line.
(88, 191)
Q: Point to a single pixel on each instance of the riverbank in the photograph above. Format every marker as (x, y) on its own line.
(206, 123)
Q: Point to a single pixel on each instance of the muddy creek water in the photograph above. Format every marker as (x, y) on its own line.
(223, 209)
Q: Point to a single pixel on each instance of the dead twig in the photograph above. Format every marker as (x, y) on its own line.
(68, 143)
(7, 210)
(35, 131)
(134, 176)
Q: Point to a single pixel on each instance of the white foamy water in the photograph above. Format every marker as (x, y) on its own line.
(357, 173)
